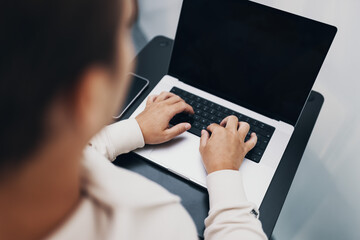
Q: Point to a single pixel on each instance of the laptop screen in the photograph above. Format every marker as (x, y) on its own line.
(258, 57)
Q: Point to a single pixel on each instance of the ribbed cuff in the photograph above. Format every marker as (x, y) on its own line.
(125, 136)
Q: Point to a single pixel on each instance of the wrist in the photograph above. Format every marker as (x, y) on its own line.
(221, 168)
(141, 129)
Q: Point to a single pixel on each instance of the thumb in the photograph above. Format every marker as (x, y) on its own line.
(177, 130)
(204, 138)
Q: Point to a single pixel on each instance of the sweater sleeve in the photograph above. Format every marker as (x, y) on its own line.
(231, 215)
(118, 138)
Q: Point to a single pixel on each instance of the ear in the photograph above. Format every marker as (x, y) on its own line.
(92, 100)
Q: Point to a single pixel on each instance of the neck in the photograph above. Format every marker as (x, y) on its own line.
(40, 195)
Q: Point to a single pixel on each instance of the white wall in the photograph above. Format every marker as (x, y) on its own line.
(159, 17)
(323, 202)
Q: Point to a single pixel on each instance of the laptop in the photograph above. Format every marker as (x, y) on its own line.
(237, 57)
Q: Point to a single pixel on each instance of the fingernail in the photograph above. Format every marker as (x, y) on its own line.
(187, 126)
(202, 132)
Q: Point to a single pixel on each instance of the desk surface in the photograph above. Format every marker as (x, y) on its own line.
(152, 63)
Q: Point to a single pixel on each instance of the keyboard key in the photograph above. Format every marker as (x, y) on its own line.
(195, 131)
(261, 131)
(261, 145)
(205, 114)
(254, 158)
(175, 90)
(218, 120)
(205, 102)
(196, 125)
(257, 152)
(266, 127)
(263, 140)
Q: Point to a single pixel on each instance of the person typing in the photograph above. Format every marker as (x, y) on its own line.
(64, 66)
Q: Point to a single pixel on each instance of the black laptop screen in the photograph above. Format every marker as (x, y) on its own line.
(258, 57)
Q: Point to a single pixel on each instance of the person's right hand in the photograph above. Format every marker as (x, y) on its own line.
(225, 148)
(159, 110)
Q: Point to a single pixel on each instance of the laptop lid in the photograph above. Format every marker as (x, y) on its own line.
(261, 58)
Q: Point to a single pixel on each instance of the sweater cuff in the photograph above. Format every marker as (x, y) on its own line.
(125, 136)
(225, 188)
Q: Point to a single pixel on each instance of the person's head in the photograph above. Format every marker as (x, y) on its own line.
(63, 71)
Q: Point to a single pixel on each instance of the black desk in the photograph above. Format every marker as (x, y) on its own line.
(152, 63)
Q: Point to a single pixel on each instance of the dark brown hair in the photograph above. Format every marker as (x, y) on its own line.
(44, 46)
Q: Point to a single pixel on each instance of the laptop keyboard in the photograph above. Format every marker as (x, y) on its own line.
(207, 112)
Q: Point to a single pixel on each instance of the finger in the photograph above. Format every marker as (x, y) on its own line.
(224, 121)
(150, 99)
(244, 128)
(163, 96)
(250, 144)
(180, 107)
(173, 99)
(213, 126)
(232, 123)
(177, 130)
(204, 139)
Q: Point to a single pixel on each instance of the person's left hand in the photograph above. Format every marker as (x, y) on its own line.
(159, 110)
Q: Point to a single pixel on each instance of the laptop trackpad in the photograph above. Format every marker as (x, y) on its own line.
(181, 155)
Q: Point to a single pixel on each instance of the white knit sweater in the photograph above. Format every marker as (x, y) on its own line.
(119, 204)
